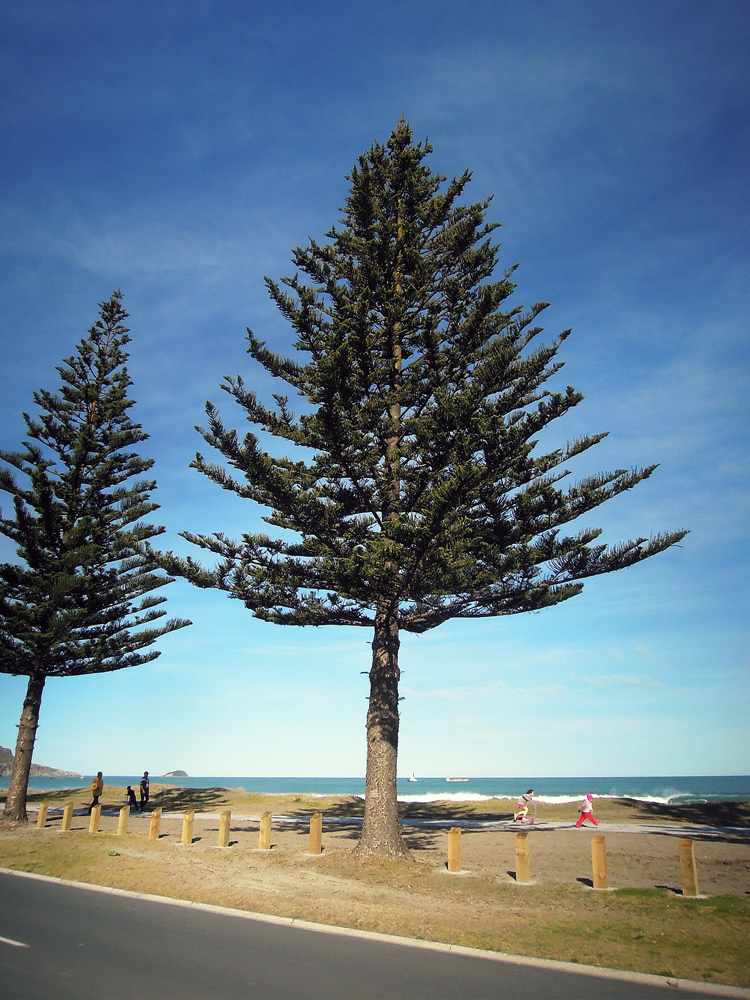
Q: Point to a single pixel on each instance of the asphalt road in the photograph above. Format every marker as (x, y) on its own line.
(65, 941)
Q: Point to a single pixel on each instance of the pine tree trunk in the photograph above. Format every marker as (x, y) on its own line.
(381, 837)
(15, 803)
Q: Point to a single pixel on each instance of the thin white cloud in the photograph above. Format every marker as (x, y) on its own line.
(604, 682)
(439, 694)
(485, 692)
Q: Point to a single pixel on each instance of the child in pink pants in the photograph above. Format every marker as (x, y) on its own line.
(586, 809)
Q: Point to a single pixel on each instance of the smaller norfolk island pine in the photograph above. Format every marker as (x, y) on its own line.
(80, 600)
(421, 495)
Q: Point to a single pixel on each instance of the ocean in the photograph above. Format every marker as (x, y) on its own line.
(676, 790)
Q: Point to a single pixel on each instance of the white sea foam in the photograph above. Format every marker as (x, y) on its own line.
(476, 797)
(307, 795)
(552, 800)
(448, 797)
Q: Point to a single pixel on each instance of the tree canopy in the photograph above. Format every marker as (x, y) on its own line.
(415, 490)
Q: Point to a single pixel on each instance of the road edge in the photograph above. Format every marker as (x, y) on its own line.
(643, 978)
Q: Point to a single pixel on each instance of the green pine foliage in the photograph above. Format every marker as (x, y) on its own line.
(80, 598)
(426, 395)
(414, 489)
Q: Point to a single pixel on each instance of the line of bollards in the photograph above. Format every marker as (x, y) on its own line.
(600, 879)
(188, 819)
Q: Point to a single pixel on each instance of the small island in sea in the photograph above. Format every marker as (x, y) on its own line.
(176, 774)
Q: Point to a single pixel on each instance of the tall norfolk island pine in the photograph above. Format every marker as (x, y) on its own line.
(425, 498)
(81, 600)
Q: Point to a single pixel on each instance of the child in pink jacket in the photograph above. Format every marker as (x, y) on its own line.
(586, 809)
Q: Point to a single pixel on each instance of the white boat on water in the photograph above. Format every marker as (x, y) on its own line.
(413, 777)
(456, 779)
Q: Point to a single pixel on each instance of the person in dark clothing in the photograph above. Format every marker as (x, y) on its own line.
(131, 797)
(144, 790)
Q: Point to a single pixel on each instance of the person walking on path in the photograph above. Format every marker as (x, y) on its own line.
(144, 790)
(131, 797)
(97, 787)
(586, 809)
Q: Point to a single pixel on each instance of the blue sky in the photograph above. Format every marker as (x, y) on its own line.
(180, 150)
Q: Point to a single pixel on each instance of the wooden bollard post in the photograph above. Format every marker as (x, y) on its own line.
(316, 833)
(155, 825)
(67, 817)
(41, 820)
(599, 863)
(454, 849)
(187, 827)
(523, 864)
(688, 869)
(122, 823)
(264, 839)
(96, 812)
(225, 822)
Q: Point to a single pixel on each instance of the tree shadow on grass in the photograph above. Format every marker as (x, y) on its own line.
(415, 837)
(173, 799)
(423, 838)
(440, 815)
(450, 812)
(711, 814)
(444, 812)
(181, 799)
(352, 806)
(58, 796)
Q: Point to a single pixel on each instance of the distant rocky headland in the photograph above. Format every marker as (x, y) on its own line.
(37, 770)
(176, 774)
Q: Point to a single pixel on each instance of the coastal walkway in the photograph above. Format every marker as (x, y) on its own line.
(693, 831)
